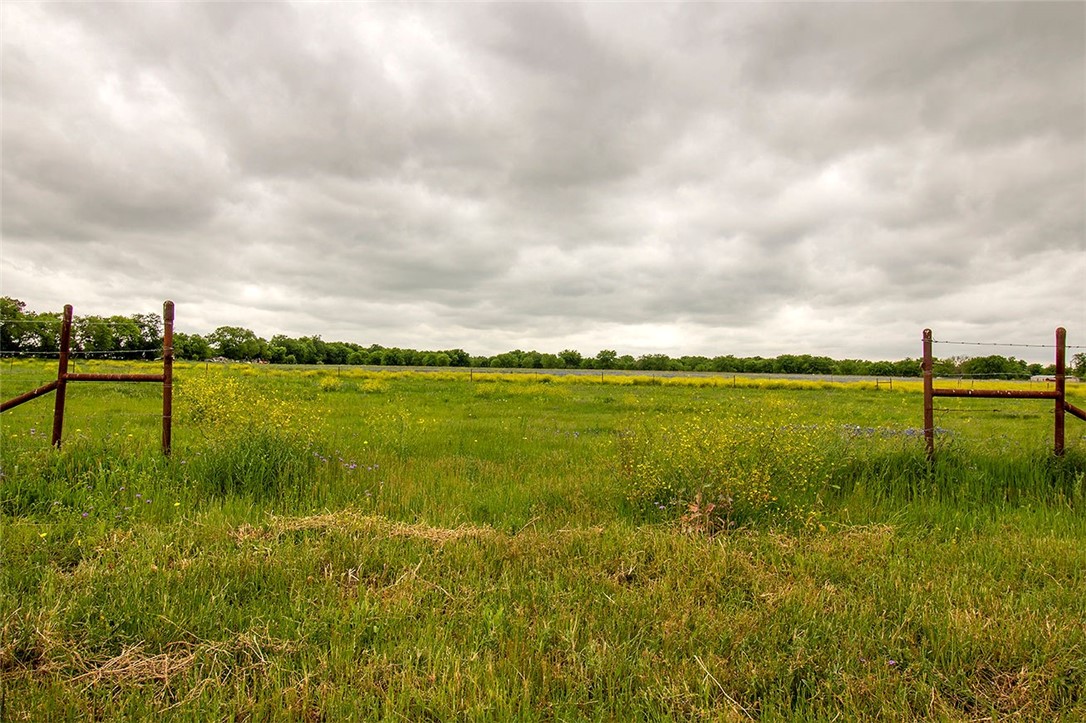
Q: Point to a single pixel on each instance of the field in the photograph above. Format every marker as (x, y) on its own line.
(332, 544)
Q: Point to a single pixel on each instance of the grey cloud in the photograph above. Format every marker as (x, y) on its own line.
(552, 174)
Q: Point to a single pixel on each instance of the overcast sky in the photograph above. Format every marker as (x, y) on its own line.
(675, 178)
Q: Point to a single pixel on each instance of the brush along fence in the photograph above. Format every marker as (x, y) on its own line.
(1058, 394)
(60, 384)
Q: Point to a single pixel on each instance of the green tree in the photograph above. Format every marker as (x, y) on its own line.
(658, 362)
(908, 368)
(93, 333)
(571, 358)
(994, 367)
(12, 324)
(1078, 364)
(150, 334)
(42, 332)
(235, 342)
(191, 346)
(605, 359)
(458, 358)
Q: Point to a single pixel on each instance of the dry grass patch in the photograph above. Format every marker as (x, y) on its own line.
(354, 521)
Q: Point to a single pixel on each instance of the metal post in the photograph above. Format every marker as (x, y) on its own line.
(1061, 372)
(62, 374)
(929, 411)
(167, 376)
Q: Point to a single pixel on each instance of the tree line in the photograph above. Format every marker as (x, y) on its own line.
(25, 332)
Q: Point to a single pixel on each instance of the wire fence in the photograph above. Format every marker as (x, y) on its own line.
(1005, 344)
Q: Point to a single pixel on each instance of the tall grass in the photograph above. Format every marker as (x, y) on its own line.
(332, 544)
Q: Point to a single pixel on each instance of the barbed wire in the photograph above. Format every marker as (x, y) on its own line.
(76, 320)
(80, 352)
(1008, 344)
(994, 376)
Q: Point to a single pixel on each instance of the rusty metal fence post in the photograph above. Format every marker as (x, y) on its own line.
(167, 376)
(929, 407)
(62, 375)
(1061, 387)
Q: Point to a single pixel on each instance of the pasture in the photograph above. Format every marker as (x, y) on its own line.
(330, 544)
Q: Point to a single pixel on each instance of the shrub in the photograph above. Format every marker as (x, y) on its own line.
(253, 444)
(719, 469)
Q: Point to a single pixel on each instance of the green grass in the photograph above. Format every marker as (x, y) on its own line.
(329, 544)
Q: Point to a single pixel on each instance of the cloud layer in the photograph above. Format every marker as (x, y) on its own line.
(701, 178)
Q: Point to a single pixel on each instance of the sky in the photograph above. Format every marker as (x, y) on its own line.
(697, 178)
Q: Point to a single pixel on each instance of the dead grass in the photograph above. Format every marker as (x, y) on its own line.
(352, 521)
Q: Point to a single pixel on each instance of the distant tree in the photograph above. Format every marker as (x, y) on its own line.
(235, 342)
(1078, 364)
(908, 368)
(658, 362)
(150, 334)
(458, 357)
(853, 367)
(882, 369)
(605, 359)
(336, 353)
(725, 364)
(696, 363)
(571, 358)
(191, 346)
(508, 360)
(994, 367)
(948, 367)
(42, 332)
(93, 333)
(12, 324)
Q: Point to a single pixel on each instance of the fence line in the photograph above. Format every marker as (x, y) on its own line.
(1004, 344)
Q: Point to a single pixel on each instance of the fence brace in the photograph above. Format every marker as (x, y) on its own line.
(60, 384)
(1058, 394)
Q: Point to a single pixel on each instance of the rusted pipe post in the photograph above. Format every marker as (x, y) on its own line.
(929, 410)
(1061, 388)
(62, 373)
(167, 376)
